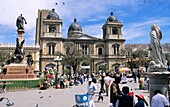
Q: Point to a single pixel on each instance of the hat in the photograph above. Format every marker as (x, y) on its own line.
(131, 94)
(90, 79)
(140, 96)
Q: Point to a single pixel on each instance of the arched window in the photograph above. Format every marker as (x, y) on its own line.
(116, 49)
(99, 51)
(51, 48)
(52, 28)
(114, 30)
(85, 48)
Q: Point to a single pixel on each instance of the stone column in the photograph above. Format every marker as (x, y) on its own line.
(37, 61)
(158, 80)
(20, 35)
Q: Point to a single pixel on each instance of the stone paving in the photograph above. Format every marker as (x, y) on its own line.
(59, 97)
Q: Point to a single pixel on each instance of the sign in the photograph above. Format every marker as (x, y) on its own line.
(85, 67)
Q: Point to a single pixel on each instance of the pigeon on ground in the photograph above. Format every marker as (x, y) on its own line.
(9, 103)
(36, 105)
(1, 99)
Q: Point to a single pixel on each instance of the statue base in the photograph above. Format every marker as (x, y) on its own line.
(158, 80)
(20, 35)
(17, 71)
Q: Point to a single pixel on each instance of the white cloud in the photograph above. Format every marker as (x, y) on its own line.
(86, 11)
(11, 9)
(93, 30)
(138, 29)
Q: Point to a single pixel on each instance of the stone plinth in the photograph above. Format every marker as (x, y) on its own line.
(20, 35)
(158, 80)
(17, 71)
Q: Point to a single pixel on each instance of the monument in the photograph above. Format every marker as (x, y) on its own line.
(15, 68)
(158, 74)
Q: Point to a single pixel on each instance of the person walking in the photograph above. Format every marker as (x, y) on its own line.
(102, 82)
(100, 95)
(4, 87)
(107, 81)
(138, 75)
(159, 100)
(62, 81)
(134, 76)
(92, 88)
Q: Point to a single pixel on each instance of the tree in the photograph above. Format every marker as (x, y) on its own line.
(4, 56)
(138, 58)
(73, 57)
(167, 55)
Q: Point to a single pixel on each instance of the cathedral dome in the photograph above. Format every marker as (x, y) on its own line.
(112, 18)
(75, 27)
(53, 15)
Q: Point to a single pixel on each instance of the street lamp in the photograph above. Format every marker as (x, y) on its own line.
(104, 64)
(57, 59)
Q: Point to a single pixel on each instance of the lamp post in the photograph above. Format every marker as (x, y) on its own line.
(104, 64)
(57, 59)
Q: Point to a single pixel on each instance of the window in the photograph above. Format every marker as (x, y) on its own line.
(51, 48)
(99, 51)
(114, 30)
(85, 49)
(52, 28)
(116, 49)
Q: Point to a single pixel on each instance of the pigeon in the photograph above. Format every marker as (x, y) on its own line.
(36, 105)
(41, 97)
(1, 99)
(9, 103)
(49, 96)
(39, 92)
(56, 3)
(63, 3)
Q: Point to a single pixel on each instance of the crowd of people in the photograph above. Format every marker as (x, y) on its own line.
(62, 81)
(123, 97)
(109, 87)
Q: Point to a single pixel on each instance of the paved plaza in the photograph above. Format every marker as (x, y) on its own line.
(59, 97)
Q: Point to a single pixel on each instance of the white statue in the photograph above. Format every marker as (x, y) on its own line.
(157, 55)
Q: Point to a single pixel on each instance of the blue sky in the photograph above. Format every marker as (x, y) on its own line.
(137, 17)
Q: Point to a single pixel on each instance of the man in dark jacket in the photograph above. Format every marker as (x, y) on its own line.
(125, 100)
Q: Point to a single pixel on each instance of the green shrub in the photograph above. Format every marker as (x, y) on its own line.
(20, 84)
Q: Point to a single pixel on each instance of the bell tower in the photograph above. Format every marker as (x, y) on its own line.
(112, 29)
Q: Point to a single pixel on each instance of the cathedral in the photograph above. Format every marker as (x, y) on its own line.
(108, 51)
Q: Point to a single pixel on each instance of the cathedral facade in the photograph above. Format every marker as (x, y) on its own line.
(107, 51)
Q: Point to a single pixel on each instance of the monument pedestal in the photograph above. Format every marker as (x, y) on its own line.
(17, 71)
(158, 80)
(20, 35)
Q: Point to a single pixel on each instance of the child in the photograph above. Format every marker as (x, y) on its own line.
(141, 101)
(100, 95)
(4, 87)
